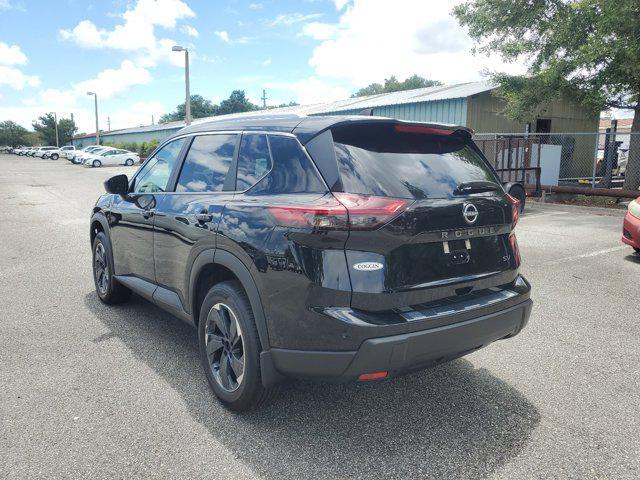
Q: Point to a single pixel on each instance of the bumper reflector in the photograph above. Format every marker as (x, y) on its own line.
(372, 376)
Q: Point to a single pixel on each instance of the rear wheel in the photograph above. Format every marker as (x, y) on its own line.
(96, 163)
(55, 156)
(107, 287)
(128, 162)
(230, 347)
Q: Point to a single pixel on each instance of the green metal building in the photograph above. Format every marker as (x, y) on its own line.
(468, 104)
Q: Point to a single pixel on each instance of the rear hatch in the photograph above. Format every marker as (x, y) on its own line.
(440, 221)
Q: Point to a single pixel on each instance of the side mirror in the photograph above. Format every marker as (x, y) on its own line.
(118, 185)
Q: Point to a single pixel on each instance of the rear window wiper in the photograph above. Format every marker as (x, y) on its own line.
(476, 187)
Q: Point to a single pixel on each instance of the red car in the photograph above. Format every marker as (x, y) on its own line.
(631, 226)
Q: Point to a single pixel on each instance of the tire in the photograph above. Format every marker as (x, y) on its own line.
(96, 163)
(637, 250)
(128, 162)
(55, 156)
(519, 194)
(224, 304)
(108, 289)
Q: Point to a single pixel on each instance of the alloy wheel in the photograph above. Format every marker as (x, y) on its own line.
(225, 347)
(101, 269)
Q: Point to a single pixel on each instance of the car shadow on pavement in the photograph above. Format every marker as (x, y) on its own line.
(452, 421)
(633, 258)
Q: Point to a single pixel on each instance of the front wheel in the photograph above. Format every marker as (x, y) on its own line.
(128, 162)
(55, 156)
(107, 287)
(96, 163)
(230, 347)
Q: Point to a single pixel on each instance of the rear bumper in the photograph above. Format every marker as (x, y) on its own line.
(631, 231)
(399, 354)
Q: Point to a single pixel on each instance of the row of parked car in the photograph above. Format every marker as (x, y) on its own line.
(91, 156)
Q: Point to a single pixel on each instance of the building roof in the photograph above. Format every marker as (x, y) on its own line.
(624, 124)
(418, 95)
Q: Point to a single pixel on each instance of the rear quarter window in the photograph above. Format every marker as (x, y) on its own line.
(379, 160)
(292, 170)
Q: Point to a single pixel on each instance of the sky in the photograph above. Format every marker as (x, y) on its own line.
(53, 52)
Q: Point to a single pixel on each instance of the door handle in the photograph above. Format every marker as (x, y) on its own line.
(204, 217)
(147, 214)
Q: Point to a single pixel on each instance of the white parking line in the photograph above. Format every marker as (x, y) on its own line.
(586, 255)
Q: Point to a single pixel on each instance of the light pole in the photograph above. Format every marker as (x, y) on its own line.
(187, 104)
(95, 98)
(55, 120)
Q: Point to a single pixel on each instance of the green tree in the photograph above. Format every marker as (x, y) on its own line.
(46, 128)
(200, 108)
(585, 49)
(392, 84)
(12, 134)
(236, 103)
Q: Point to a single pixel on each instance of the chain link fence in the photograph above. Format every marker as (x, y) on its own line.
(587, 159)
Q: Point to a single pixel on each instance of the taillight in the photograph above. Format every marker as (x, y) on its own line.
(329, 214)
(341, 212)
(368, 212)
(515, 209)
(514, 248)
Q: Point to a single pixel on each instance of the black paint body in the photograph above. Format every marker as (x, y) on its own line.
(316, 314)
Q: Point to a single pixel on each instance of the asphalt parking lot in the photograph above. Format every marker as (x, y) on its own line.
(96, 392)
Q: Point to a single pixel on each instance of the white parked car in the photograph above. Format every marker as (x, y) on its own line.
(78, 156)
(61, 152)
(49, 152)
(43, 151)
(113, 156)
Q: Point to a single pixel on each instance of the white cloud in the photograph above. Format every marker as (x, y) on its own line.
(4, 4)
(224, 36)
(312, 90)
(256, 6)
(340, 4)
(292, 18)
(266, 62)
(191, 31)
(62, 99)
(11, 55)
(319, 31)
(137, 33)
(420, 37)
(85, 34)
(15, 79)
(136, 114)
(111, 81)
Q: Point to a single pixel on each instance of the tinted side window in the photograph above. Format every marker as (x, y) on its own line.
(154, 176)
(207, 163)
(292, 170)
(254, 160)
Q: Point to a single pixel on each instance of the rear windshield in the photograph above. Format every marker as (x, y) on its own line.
(381, 160)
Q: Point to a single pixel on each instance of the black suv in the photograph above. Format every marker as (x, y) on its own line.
(337, 248)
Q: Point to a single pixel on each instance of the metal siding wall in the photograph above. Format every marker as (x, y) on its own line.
(442, 111)
(137, 137)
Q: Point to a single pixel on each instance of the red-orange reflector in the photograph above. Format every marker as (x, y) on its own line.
(372, 376)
